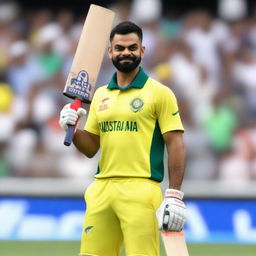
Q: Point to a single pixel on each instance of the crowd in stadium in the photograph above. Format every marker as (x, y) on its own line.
(209, 62)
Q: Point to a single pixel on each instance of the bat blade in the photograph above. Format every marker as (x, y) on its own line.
(81, 81)
(174, 243)
(89, 54)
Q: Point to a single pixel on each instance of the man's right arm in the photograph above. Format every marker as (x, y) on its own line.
(86, 142)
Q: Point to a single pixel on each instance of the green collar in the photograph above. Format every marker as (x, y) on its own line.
(138, 82)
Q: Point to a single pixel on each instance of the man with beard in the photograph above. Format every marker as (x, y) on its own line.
(130, 120)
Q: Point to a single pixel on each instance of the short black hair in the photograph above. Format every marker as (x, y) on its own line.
(124, 28)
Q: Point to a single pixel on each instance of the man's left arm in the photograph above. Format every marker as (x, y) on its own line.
(176, 158)
(172, 211)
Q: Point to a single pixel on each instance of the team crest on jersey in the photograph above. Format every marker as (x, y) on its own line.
(136, 104)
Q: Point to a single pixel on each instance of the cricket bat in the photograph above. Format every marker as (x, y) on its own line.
(174, 243)
(81, 80)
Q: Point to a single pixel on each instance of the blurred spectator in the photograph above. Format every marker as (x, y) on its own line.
(78, 165)
(244, 70)
(205, 35)
(47, 57)
(21, 151)
(235, 163)
(63, 42)
(201, 164)
(236, 38)
(23, 70)
(37, 20)
(231, 10)
(220, 123)
(189, 79)
(4, 167)
(234, 168)
(7, 126)
(146, 13)
(8, 13)
(122, 9)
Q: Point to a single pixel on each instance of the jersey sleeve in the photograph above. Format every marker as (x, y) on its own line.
(167, 111)
(91, 124)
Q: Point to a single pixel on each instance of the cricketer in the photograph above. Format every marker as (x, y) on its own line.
(131, 120)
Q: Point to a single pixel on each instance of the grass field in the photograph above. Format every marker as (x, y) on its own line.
(68, 248)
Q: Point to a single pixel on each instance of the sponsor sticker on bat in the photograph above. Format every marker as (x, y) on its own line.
(79, 86)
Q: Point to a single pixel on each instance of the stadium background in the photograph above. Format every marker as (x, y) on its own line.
(204, 51)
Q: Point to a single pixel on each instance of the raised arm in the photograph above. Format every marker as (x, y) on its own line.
(86, 142)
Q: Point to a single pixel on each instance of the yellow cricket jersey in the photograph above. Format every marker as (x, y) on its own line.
(130, 122)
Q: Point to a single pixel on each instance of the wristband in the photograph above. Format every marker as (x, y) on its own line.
(173, 193)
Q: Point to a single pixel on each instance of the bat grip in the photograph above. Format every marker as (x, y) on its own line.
(71, 128)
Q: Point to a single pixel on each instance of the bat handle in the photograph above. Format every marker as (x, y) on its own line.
(71, 128)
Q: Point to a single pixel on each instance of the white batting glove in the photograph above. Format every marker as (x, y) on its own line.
(70, 116)
(171, 214)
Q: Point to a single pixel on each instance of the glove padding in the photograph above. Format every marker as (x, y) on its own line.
(171, 214)
(70, 116)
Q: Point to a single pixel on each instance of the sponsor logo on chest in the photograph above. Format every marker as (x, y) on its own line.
(104, 104)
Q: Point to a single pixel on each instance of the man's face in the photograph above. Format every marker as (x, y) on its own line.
(126, 52)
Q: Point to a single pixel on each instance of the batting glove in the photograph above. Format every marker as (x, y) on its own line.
(171, 214)
(70, 116)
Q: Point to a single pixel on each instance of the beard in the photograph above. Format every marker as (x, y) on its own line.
(126, 66)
